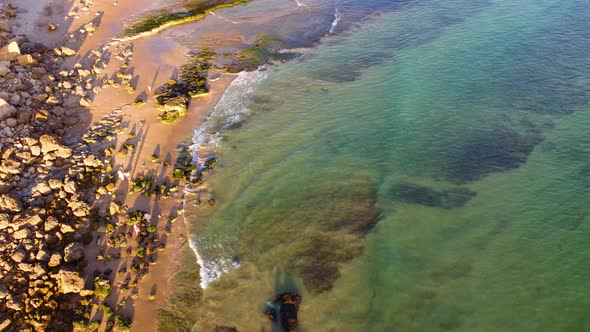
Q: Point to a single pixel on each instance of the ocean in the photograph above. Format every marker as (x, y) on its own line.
(422, 166)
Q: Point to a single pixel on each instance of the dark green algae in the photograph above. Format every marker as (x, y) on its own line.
(157, 19)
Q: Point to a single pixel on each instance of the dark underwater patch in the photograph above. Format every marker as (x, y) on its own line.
(495, 150)
(415, 194)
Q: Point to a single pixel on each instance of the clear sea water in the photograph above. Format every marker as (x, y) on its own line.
(426, 167)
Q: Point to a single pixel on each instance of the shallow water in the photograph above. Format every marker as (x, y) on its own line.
(426, 170)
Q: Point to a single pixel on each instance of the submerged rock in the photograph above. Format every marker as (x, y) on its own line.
(416, 194)
(288, 306)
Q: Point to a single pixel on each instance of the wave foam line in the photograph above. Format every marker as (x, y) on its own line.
(230, 110)
(337, 17)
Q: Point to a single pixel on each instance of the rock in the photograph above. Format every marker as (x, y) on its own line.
(39, 71)
(42, 255)
(14, 99)
(54, 184)
(5, 323)
(22, 234)
(74, 252)
(11, 122)
(42, 188)
(90, 27)
(26, 220)
(6, 110)
(70, 281)
(26, 60)
(23, 116)
(52, 100)
(67, 51)
(54, 260)
(4, 221)
(9, 204)
(289, 304)
(50, 144)
(5, 27)
(4, 68)
(65, 229)
(18, 256)
(50, 223)
(41, 115)
(9, 52)
(73, 119)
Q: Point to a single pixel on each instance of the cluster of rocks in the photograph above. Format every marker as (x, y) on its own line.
(47, 187)
(174, 97)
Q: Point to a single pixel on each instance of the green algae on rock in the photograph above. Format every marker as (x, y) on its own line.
(158, 20)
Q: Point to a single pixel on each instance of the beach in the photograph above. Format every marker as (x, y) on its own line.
(153, 62)
(302, 165)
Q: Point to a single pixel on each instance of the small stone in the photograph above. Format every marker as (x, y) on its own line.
(6, 110)
(54, 260)
(5, 27)
(67, 51)
(26, 60)
(9, 52)
(52, 27)
(74, 252)
(18, 256)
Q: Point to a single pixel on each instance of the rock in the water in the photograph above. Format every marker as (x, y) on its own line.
(9, 52)
(6, 110)
(288, 306)
(9, 204)
(74, 252)
(70, 281)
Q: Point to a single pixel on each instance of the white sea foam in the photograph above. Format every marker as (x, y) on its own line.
(300, 3)
(213, 259)
(211, 267)
(337, 17)
(230, 110)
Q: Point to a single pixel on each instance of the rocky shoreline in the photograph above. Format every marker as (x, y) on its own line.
(60, 193)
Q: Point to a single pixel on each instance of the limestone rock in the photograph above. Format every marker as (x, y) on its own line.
(74, 252)
(70, 281)
(9, 52)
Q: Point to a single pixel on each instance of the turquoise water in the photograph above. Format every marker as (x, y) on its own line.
(427, 170)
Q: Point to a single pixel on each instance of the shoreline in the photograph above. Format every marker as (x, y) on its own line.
(141, 303)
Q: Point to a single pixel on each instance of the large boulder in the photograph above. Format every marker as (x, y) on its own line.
(9, 52)
(74, 252)
(6, 110)
(70, 281)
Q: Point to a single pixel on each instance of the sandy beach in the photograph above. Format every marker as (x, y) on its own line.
(151, 62)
